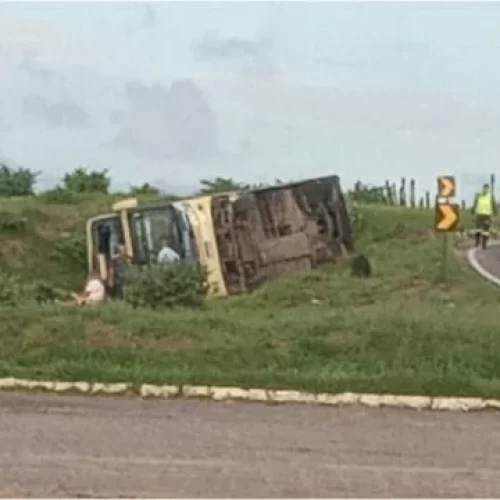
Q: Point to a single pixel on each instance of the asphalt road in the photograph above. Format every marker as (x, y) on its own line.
(54, 446)
(490, 260)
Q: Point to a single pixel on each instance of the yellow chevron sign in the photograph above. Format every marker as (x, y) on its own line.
(447, 216)
(446, 186)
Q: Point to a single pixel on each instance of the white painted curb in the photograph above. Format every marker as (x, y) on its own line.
(263, 395)
(474, 263)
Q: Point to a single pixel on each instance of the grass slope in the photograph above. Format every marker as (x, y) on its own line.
(26, 250)
(399, 331)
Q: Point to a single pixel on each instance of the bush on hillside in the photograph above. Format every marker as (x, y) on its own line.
(15, 293)
(224, 185)
(16, 182)
(165, 286)
(12, 222)
(71, 251)
(11, 290)
(59, 195)
(220, 185)
(366, 194)
(146, 188)
(82, 180)
(45, 293)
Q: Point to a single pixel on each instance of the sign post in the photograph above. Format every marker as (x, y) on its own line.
(447, 216)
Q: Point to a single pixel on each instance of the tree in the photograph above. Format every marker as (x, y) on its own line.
(364, 193)
(146, 188)
(221, 185)
(264, 185)
(81, 180)
(16, 182)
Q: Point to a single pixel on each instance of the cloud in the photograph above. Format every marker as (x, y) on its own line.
(369, 105)
(145, 21)
(423, 111)
(20, 33)
(214, 47)
(59, 114)
(174, 124)
(3, 124)
(253, 54)
(34, 67)
(149, 19)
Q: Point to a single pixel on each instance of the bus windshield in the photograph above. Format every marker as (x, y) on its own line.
(150, 227)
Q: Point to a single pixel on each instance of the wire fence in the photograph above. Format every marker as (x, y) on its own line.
(404, 195)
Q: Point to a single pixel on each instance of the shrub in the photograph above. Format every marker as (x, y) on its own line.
(44, 293)
(59, 195)
(145, 189)
(16, 182)
(81, 180)
(226, 184)
(71, 251)
(163, 286)
(220, 185)
(11, 290)
(366, 194)
(12, 222)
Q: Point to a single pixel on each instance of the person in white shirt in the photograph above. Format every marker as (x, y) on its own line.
(94, 292)
(166, 255)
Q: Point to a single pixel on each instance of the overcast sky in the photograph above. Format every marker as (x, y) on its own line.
(182, 91)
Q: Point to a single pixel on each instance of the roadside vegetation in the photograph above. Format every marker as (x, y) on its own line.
(401, 330)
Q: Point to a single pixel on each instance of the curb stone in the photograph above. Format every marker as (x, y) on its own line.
(493, 404)
(196, 391)
(257, 395)
(159, 391)
(463, 404)
(270, 396)
(227, 393)
(120, 388)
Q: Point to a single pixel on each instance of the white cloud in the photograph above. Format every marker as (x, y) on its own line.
(353, 107)
(19, 34)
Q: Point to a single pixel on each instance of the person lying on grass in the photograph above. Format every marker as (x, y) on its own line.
(93, 293)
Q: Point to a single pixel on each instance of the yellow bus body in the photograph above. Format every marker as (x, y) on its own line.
(199, 214)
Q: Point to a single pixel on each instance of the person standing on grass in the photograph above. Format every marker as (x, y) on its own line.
(484, 208)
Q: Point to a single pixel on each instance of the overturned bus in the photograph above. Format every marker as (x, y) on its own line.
(242, 238)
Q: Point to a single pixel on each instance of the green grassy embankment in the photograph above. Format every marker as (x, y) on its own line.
(32, 228)
(398, 331)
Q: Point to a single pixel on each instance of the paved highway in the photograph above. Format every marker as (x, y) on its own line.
(490, 259)
(74, 446)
